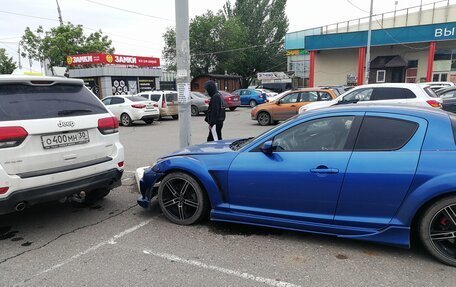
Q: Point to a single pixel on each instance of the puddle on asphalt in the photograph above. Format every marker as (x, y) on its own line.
(241, 230)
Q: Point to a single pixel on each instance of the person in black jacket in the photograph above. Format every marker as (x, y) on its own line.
(216, 112)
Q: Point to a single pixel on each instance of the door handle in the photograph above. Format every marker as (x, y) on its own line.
(324, 170)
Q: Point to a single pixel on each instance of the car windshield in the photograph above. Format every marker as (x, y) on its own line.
(135, 99)
(430, 92)
(237, 145)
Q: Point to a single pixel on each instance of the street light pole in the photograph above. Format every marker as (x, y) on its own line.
(369, 32)
(60, 12)
(183, 71)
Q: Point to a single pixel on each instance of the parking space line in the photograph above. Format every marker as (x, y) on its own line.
(244, 275)
(111, 240)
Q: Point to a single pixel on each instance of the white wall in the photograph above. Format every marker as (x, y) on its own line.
(333, 66)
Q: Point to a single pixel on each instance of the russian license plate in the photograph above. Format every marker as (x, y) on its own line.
(149, 106)
(65, 139)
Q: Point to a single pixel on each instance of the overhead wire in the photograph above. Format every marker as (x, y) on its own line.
(128, 11)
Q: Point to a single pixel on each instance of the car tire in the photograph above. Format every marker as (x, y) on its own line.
(125, 120)
(264, 119)
(149, 121)
(232, 108)
(194, 111)
(437, 223)
(182, 199)
(175, 117)
(252, 103)
(96, 194)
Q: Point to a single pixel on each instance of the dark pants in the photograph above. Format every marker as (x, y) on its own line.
(218, 128)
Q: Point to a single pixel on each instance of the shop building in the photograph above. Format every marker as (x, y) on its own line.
(226, 83)
(110, 74)
(417, 44)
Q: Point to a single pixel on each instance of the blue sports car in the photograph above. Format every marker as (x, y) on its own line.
(366, 172)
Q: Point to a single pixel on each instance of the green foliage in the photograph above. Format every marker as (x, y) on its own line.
(55, 45)
(7, 65)
(244, 39)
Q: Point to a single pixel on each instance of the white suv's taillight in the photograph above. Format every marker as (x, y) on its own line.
(12, 136)
(108, 126)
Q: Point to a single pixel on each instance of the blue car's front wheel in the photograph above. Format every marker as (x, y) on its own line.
(182, 199)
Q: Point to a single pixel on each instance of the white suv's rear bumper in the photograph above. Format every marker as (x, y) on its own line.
(53, 186)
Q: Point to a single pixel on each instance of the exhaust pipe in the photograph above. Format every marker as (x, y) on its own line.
(20, 206)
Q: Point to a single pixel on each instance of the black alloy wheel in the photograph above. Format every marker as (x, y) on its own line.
(438, 230)
(181, 199)
(263, 118)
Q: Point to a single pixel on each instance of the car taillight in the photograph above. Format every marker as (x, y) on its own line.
(434, 104)
(121, 164)
(4, 189)
(163, 104)
(12, 136)
(260, 96)
(155, 105)
(207, 102)
(138, 106)
(230, 99)
(108, 126)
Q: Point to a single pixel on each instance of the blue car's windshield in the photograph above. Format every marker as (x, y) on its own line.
(237, 145)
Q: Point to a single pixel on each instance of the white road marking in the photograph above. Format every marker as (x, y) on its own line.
(244, 275)
(111, 240)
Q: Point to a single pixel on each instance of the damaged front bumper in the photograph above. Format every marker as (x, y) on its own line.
(148, 181)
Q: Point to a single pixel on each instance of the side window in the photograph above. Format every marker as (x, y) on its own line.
(324, 96)
(391, 94)
(146, 96)
(155, 97)
(383, 134)
(116, 101)
(327, 134)
(290, 98)
(309, 97)
(358, 95)
(248, 92)
(107, 101)
(449, 95)
(243, 93)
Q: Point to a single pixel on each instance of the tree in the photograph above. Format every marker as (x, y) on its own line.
(7, 65)
(243, 39)
(59, 42)
(266, 24)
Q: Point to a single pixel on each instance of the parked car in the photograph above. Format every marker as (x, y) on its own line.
(339, 90)
(232, 101)
(448, 96)
(288, 105)
(132, 108)
(276, 87)
(250, 97)
(57, 141)
(381, 94)
(269, 94)
(166, 101)
(367, 172)
(199, 103)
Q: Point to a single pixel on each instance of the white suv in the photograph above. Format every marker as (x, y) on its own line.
(390, 93)
(166, 101)
(57, 141)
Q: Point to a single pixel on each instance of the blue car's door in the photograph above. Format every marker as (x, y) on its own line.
(380, 170)
(301, 179)
(245, 97)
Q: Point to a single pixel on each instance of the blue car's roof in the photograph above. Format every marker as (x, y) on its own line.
(417, 111)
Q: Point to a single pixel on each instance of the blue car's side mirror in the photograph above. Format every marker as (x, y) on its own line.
(267, 148)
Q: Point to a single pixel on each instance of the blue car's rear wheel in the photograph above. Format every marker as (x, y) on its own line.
(438, 230)
(182, 199)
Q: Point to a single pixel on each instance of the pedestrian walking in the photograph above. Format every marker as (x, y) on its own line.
(215, 115)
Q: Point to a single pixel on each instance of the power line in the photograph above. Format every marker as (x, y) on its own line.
(357, 7)
(237, 49)
(128, 11)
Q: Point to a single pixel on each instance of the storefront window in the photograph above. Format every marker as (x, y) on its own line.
(442, 54)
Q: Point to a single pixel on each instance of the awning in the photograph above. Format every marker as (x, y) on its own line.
(383, 62)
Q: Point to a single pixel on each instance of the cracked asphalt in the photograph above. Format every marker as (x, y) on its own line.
(116, 243)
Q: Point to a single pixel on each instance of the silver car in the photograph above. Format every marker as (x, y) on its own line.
(199, 103)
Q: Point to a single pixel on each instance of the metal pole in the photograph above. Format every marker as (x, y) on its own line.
(183, 71)
(369, 32)
(60, 12)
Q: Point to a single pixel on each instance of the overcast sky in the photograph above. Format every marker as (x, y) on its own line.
(138, 35)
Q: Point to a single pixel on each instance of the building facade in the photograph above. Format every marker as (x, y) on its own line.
(226, 83)
(415, 45)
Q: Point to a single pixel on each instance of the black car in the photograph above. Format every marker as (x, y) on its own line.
(448, 96)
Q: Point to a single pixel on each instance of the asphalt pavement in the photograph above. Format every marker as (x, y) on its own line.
(116, 243)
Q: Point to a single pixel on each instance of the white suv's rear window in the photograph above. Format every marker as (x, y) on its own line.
(24, 102)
